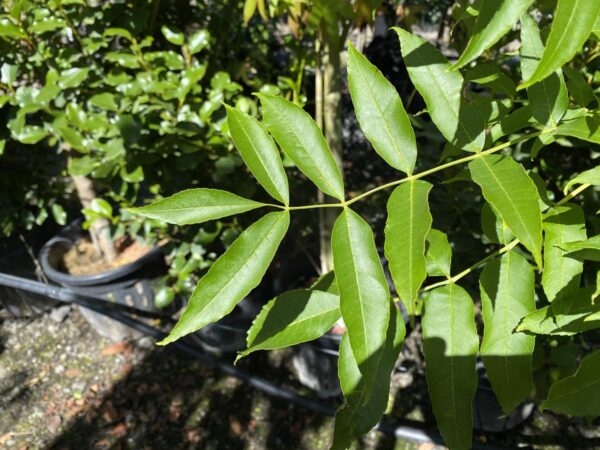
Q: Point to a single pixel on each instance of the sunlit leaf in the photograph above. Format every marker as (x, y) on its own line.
(586, 128)
(508, 188)
(495, 19)
(549, 97)
(588, 249)
(562, 275)
(364, 292)
(259, 152)
(380, 113)
(196, 206)
(576, 315)
(572, 24)
(292, 318)
(302, 141)
(461, 122)
(591, 176)
(233, 275)
(406, 229)
(198, 41)
(439, 254)
(172, 35)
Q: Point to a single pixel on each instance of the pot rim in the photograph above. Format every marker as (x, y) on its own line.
(100, 278)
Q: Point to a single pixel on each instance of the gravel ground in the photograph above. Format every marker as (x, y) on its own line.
(64, 387)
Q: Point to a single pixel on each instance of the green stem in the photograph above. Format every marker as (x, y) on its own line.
(508, 247)
(319, 205)
(468, 270)
(425, 173)
(449, 164)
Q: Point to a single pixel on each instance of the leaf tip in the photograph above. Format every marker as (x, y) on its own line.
(165, 341)
(523, 85)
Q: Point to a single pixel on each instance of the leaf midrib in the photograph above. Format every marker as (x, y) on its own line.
(259, 246)
(446, 100)
(385, 122)
(294, 325)
(259, 156)
(317, 167)
(193, 208)
(553, 51)
(358, 288)
(509, 200)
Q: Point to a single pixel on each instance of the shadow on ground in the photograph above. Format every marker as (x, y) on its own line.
(169, 401)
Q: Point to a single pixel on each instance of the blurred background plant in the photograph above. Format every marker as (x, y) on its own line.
(114, 103)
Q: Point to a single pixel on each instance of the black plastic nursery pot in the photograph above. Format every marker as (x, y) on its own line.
(131, 285)
(17, 257)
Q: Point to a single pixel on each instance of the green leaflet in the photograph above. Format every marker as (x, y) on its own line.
(591, 176)
(302, 141)
(233, 275)
(450, 346)
(439, 254)
(572, 24)
(406, 229)
(461, 123)
(580, 90)
(596, 293)
(493, 227)
(326, 283)
(490, 75)
(355, 417)
(364, 292)
(380, 113)
(549, 97)
(495, 19)
(588, 249)
(510, 191)
(259, 153)
(596, 30)
(292, 318)
(196, 206)
(578, 394)
(517, 120)
(586, 128)
(105, 100)
(507, 294)
(348, 371)
(562, 275)
(566, 317)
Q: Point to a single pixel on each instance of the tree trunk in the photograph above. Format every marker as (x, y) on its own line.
(100, 228)
(329, 117)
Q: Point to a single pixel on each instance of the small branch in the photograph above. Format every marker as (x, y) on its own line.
(423, 174)
(508, 247)
(468, 270)
(450, 164)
